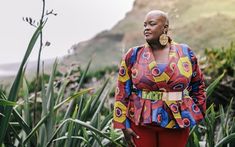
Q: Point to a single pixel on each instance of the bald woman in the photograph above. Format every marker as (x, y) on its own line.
(160, 90)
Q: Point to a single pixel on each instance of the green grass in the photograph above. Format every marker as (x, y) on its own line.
(205, 8)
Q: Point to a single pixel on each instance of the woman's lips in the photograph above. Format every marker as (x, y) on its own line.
(147, 33)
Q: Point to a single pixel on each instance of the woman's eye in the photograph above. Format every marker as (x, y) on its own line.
(152, 24)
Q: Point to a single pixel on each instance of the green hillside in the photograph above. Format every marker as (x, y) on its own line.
(199, 23)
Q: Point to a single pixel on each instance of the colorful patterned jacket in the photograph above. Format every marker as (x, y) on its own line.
(139, 71)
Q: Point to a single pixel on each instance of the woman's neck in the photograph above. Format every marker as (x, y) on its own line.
(157, 46)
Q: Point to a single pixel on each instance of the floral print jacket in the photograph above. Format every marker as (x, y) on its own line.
(139, 71)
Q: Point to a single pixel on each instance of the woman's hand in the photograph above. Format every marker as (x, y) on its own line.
(128, 135)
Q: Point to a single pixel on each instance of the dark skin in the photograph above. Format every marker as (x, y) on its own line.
(155, 24)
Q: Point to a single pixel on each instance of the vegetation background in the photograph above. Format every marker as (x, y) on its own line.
(69, 102)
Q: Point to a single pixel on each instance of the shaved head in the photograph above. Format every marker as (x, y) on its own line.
(159, 13)
(156, 23)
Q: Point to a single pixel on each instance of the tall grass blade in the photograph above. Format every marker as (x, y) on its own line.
(195, 140)
(42, 132)
(62, 90)
(86, 110)
(210, 123)
(16, 134)
(71, 127)
(96, 99)
(72, 97)
(2, 95)
(77, 127)
(213, 85)
(95, 115)
(26, 111)
(97, 141)
(44, 118)
(21, 121)
(72, 137)
(192, 130)
(84, 75)
(43, 94)
(50, 123)
(73, 103)
(15, 87)
(24, 125)
(226, 140)
(227, 116)
(7, 103)
(82, 124)
(106, 142)
(106, 120)
(85, 135)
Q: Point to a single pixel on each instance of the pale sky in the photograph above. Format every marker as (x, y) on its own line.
(77, 20)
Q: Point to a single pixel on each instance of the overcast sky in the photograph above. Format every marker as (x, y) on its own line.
(77, 20)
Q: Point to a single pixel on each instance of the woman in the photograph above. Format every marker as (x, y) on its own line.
(161, 91)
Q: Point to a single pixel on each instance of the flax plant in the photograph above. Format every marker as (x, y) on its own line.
(218, 128)
(82, 124)
(15, 87)
(85, 127)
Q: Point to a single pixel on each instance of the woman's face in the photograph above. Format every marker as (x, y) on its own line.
(154, 26)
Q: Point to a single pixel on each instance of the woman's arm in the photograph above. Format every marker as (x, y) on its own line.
(197, 85)
(123, 92)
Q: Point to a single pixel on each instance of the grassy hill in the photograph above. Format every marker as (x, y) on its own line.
(199, 23)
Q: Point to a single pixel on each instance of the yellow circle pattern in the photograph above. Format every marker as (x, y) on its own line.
(118, 106)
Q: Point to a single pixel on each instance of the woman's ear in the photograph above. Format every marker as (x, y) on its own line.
(166, 29)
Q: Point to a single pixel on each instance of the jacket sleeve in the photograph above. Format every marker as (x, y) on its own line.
(122, 93)
(197, 85)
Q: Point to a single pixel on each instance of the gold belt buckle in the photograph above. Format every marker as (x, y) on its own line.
(165, 96)
(152, 95)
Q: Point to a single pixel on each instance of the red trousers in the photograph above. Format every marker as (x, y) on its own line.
(153, 136)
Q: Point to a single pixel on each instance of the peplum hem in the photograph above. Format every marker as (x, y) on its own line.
(166, 114)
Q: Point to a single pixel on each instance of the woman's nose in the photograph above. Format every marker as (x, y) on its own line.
(146, 27)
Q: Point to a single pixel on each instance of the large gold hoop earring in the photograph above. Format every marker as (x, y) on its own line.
(163, 39)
